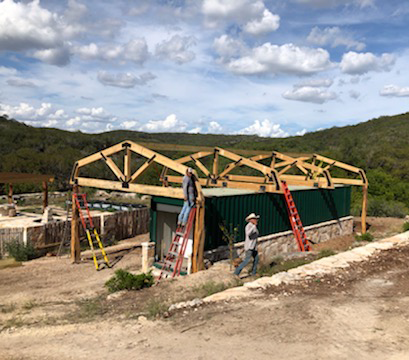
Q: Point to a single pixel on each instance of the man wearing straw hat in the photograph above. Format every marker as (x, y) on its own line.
(250, 244)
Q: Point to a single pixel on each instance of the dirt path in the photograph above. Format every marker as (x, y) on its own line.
(361, 313)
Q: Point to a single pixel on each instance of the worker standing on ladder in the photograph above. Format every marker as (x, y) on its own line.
(190, 194)
(250, 244)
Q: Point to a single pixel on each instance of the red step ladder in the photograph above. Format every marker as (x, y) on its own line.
(295, 220)
(90, 230)
(172, 264)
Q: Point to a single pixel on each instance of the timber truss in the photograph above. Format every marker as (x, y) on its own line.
(312, 170)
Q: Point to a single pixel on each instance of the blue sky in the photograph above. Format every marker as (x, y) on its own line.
(271, 68)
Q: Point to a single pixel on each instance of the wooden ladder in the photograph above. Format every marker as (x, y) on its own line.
(172, 264)
(295, 220)
(90, 230)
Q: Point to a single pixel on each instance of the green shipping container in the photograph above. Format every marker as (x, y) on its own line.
(231, 206)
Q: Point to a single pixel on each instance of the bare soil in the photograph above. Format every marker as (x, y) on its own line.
(50, 309)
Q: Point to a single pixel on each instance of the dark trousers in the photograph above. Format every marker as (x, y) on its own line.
(249, 254)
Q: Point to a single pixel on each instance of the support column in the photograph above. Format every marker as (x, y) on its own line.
(199, 239)
(216, 163)
(75, 236)
(45, 195)
(364, 208)
(10, 195)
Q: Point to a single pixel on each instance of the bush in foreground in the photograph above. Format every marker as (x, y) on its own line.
(364, 237)
(124, 280)
(20, 251)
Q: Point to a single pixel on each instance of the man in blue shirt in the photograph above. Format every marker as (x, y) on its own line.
(190, 194)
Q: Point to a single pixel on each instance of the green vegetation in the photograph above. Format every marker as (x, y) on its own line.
(20, 251)
(405, 226)
(364, 237)
(379, 146)
(155, 308)
(89, 308)
(279, 264)
(124, 280)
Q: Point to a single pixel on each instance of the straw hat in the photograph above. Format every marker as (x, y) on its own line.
(190, 170)
(252, 216)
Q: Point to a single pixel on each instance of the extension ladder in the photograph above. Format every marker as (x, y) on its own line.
(295, 220)
(172, 264)
(89, 228)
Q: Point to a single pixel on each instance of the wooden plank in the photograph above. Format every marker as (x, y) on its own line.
(115, 169)
(199, 237)
(10, 194)
(100, 154)
(160, 159)
(268, 187)
(138, 188)
(229, 168)
(216, 164)
(18, 178)
(45, 195)
(338, 164)
(364, 208)
(300, 180)
(142, 169)
(348, 181)
(191, 157)
(200, 165)
(127, 164)
(75, 236)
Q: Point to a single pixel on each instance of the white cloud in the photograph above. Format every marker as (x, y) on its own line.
(310, 94)
(255, 18)
(334, 37)
(301, 132)
(136, 51)
(93, 113)
(394, 91)
(287, 58)
(124, 80)
(195, 130)
(334, 3)
(24, 111)
(315, 83)
(214, 127)
(6, 71)
(59, 56)
(50, 123)
(176, 49)
(360, 63)
(269, 22)
(73, 121)
(19, 82)
(227, 47)
(265, 128)
(129, 124)
(170, 124)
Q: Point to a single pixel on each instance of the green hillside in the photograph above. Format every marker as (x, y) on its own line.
(379, 146)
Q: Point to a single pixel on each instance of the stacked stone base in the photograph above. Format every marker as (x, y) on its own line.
(272, 245)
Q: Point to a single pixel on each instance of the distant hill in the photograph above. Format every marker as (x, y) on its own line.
(380, 146)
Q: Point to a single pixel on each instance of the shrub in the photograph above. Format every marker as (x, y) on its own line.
(405, 226)
(20, 251)
(155, 307)
(379, 207)
(364, 237)
(124, 280)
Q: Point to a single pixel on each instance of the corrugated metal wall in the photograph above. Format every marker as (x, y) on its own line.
(314, 206)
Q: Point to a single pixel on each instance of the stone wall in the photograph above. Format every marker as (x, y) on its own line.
(270, 246)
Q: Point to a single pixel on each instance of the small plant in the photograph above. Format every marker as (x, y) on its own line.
(29, 305)
(229, 236)
(90, 308)
(211, 287)
(364, 237)
(155, 307)
(124, 280)
(325, 253)
(7, 308)
(405, 226)
(20, 251)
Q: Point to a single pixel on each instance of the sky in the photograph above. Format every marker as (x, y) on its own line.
(271, 68)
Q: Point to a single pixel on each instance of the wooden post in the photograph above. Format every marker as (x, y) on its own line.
(216, 164)
(127, 164)
(364, 208)
(10, 195)
(45, 195)
(198, 239)
(75, 236)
